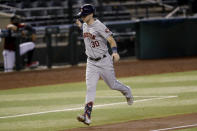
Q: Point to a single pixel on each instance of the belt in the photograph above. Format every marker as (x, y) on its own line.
(97, 59)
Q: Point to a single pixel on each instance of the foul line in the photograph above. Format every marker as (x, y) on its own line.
(80, 108)
(177, 127)
(134, 96)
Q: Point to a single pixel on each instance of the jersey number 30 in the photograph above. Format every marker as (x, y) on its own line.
(95, 44)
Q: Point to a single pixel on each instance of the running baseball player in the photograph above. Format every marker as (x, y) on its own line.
(99, 61)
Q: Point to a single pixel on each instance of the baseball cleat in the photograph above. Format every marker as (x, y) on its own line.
(33, 64)
(129, 100)
(84, 119)
(129, 97)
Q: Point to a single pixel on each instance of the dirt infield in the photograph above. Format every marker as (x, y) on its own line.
(124, 68)
(172, 122)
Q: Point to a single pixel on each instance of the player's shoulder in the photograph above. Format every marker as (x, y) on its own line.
(97, 21)
(99, 24)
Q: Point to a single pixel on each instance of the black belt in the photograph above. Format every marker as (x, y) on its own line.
(97, 59)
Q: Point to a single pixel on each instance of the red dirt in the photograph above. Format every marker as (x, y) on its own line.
(146, 125)
(124, 68)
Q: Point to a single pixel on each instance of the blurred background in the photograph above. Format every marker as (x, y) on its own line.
(143, 29)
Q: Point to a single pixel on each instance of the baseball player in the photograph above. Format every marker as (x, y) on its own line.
(99, 61)
(26, 47)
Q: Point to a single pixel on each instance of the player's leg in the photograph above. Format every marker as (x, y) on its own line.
(28, 47)
(25, 47)
(30, 56)
(9, 60)
(108, 75)
(110, 79)
(92, 77)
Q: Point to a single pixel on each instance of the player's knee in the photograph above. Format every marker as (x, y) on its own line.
(32, 46)
(112, 85)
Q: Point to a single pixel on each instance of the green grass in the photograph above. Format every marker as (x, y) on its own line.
(72, 95)
(188, 129)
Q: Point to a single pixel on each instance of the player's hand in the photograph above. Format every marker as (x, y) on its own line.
(78, 22)
(115, 57)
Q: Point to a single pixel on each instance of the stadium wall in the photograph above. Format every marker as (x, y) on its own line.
(161, 38)
(154, 39)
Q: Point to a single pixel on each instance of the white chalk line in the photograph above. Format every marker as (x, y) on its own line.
(80, 108)
(176, 127)
(134, 96)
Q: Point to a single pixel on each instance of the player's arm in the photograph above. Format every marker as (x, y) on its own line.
(11, 27)
(113, 46)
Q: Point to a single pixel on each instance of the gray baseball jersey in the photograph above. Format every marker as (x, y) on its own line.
(95, 36)
(95, 39)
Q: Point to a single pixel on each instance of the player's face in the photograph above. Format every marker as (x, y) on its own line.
(87, 18)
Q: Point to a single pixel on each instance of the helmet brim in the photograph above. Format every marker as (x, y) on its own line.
(82, 14)
(79, 15)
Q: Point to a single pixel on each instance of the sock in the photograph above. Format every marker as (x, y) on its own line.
(88, 109)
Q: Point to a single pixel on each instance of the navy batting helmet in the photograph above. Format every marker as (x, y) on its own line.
(86, 10)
